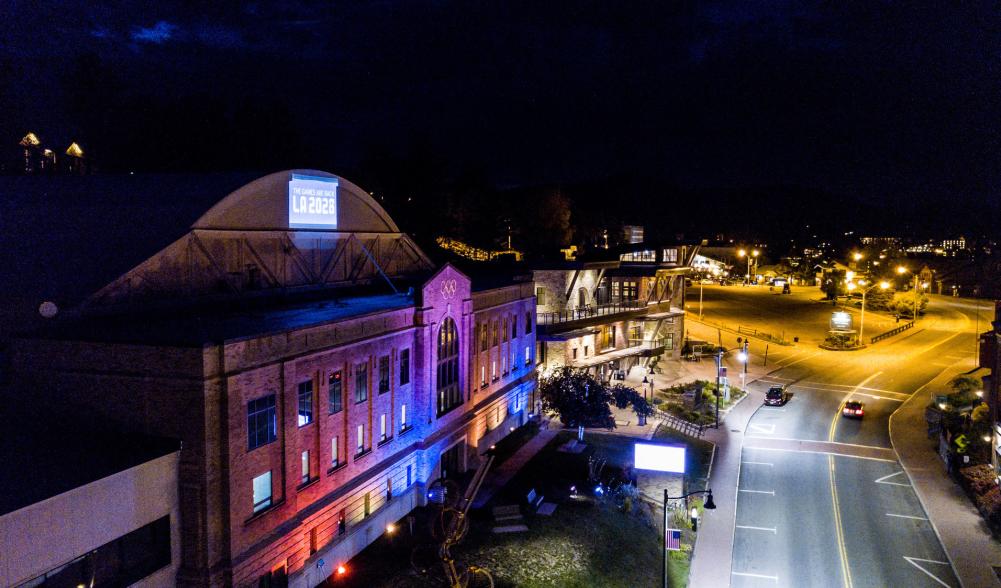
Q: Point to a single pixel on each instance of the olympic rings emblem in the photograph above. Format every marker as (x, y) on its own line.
(448, 288)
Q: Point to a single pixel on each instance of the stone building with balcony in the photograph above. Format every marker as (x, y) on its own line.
(613, 311)
(319, 369)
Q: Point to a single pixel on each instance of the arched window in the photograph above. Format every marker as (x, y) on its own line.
(449, 395)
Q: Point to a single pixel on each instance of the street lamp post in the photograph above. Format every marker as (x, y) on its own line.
(851, 286)
(709, 505)
(753, 254)
(903, 270)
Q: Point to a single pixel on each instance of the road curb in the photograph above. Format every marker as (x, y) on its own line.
(914, 486)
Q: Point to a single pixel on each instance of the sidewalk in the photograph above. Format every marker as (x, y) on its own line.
(499, 477)
(968, 542)
(711, 558)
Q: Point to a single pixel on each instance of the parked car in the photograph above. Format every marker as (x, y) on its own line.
(776, 396)
(853, 409)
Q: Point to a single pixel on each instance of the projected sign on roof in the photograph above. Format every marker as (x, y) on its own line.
(312, 202)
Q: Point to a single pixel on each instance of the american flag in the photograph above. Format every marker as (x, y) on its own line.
(673, 540)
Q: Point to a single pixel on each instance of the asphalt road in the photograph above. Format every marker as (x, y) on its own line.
(822, 500)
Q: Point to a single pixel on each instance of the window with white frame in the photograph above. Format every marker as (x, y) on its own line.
(528, 356)
(305, 466)
(262, 491)
(403, 417)
(335, 455)
(382, 427)
(361, 439)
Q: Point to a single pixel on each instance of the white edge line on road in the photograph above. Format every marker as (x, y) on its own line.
(817, 452)
(775, 578)
(764, 463)
(883, 479)
(772, 492)
(912, 560)
(820, 441)
(772, 529)
(890, 514)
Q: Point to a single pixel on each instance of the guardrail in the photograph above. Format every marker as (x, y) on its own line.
(576, 314)
(681, 425)
(891, 332)
(740, 329)
(762, 335)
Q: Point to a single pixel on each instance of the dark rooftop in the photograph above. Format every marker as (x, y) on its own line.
(43, 457)
(213, 325)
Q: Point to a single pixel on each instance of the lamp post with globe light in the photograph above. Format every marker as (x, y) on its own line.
(851, 286)
(903, 270)
(749, 255)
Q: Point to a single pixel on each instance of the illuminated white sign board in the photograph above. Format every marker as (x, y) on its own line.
(660, 458)
(841, 321)
(312, 202)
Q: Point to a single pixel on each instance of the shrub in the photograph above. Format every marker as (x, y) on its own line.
(978, 479)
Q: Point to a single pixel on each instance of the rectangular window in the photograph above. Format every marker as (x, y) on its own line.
(305, 402)
(575, 353)
(382, 427)
(528, 323)
(404, 367)
(586, 349)
(670, 255)
(504, 364)
(540, 296)
(496, 330)
(361, 383)
(122, 562)
(361, 439)
(493, 370)
(615, 290)
(528, 356)
(335, 384)
(514, 327)
(335, 455)
(305, 467)
(261, 422)
(368, 503)
(403, 417)
(262, 491)
(483, 376)
(484, 331)
(409, 475)
(504, 330)
(383, 374)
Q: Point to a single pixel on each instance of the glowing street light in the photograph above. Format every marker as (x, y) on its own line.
(754, 253)
(857, 256)
(851, 286)
(903, 270)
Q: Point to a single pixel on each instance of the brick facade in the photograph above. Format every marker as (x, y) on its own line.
(200, 394)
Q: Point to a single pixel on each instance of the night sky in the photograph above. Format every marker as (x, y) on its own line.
(890, 102)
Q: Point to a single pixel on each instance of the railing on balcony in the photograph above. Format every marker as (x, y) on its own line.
(586, 312)
(648, 343)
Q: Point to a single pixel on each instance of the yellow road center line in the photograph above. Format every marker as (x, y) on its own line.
(839, 531)
(846, 571)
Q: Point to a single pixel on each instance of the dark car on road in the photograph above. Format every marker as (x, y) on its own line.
(776, 396)
(853, 409)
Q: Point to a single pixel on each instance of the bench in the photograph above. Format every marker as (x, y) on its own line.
(534, 499)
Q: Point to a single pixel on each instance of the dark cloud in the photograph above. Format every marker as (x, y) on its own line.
(159, 33)
(883, 100)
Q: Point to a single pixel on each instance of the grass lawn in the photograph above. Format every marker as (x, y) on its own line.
(585, 543)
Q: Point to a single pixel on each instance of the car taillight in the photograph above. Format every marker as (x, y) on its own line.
(858, 412)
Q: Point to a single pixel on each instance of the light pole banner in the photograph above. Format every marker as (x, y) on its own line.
(672, 539)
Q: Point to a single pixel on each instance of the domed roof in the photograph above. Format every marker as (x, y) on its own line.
(273, 203)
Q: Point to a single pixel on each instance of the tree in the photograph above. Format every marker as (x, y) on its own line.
(903, 304)
(624, 396)
(581, 400)
(879, 299)
(963, 388)
(578, 398)
(834, 284)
